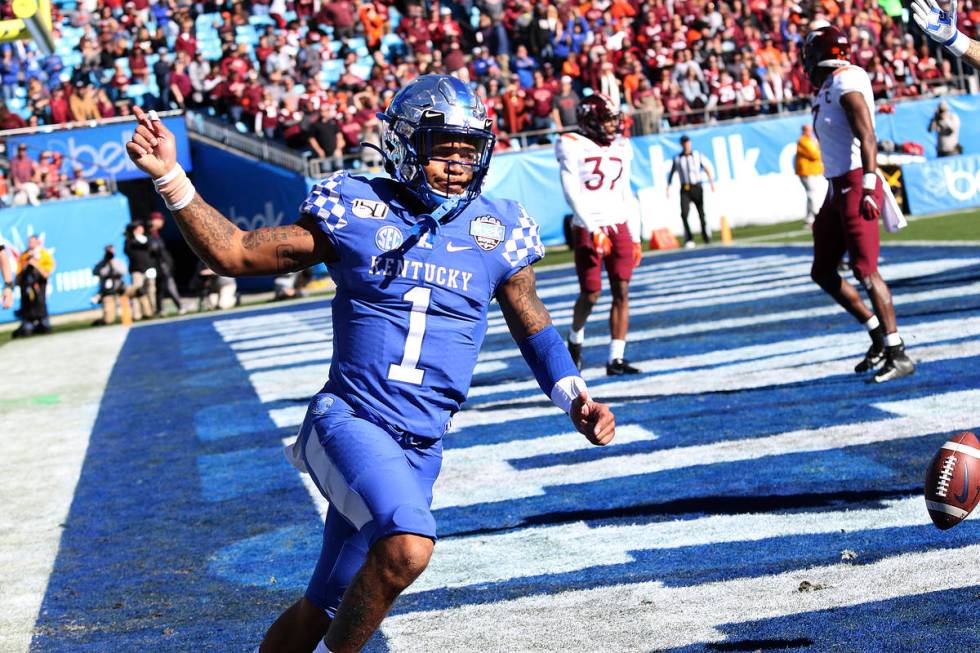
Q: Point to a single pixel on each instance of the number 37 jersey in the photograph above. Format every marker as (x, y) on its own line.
(408, 325)
(596, 180)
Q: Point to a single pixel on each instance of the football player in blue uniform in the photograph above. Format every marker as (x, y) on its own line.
(417, 260)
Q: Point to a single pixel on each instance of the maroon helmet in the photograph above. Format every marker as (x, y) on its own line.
(825, 47)
(599, 119)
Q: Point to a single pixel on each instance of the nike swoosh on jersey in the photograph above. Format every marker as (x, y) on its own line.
(961, 498)
(846, 190)
(457, 248)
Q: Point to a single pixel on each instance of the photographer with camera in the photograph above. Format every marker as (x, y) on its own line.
(110, 272)
(946, 124)
(35, 266)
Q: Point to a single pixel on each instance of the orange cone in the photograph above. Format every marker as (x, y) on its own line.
(726, 231)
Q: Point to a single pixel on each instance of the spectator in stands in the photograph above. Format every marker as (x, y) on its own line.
(946, 124)
(83, 104)
(143, 271)
(565, 105)
(111, 273)
(326, 138)
(26, 177)
(33, 271)
(79, 186)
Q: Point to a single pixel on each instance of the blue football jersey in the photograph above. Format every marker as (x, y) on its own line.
(408, 325)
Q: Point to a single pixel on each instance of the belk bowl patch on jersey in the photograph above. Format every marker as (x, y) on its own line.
(388, 238)
(369, 209)
(487, 231)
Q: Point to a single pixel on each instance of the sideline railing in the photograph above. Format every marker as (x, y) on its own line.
(260, 148)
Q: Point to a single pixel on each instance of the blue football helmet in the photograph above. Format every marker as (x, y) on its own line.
(429, 106)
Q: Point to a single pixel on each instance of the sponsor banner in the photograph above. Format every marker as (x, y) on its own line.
(753, 165)
(100, 151)
(943, 185)
(75, 232)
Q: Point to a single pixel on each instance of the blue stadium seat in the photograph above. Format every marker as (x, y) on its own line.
(137, 91)
(260, 21)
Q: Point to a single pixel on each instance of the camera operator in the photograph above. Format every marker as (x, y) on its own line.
(35, 266)
(946, 124)
(111, 272)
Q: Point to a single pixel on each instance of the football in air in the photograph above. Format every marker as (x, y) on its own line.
(953, 481)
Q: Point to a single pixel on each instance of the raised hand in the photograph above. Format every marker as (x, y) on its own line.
(938, 24)
(593, 420)
(152, 148)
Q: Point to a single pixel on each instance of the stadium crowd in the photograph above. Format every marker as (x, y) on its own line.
(312, 73)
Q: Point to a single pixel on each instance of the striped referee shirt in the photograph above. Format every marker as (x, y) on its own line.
(689, 167)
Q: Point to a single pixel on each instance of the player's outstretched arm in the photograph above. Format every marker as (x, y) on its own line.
(225, 248)
(546, 355)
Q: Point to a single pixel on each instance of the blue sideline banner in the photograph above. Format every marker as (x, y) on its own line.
(943, 185)
(250, 193)
(75, 232)
(100, 151)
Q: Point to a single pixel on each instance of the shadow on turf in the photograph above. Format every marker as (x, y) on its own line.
(716, 505)
(760, 644)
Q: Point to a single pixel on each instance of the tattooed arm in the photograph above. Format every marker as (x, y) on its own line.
(229, 251)
(217, 241)
(521, 306)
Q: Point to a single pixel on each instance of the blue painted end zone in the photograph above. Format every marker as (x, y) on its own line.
(188, 532)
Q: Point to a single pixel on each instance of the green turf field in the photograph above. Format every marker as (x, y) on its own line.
(962, 226)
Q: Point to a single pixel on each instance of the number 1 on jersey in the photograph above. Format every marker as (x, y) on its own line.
(406, 370)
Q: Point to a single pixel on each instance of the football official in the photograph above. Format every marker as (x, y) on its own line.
(417, 259)
(692, 171)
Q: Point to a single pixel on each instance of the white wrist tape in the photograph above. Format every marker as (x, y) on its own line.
(959, 44)
(175, 188)
(869, 181)
(566, 390)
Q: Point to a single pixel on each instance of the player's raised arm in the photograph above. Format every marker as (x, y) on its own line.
(547, 356)
(225, 248)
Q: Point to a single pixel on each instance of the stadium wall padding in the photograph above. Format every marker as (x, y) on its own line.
(99, 151)
(943, 184)
(75, 232)
(250, 193)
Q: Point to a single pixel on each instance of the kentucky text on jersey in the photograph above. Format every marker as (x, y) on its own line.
(419, 271)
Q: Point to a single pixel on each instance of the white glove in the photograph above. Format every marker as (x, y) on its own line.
(940, 25)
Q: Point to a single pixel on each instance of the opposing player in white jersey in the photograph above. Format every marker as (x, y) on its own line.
(595, 176)
(843, 119)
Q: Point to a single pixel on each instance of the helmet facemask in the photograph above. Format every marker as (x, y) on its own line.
(439, 121)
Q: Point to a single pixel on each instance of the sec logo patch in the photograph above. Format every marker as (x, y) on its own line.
(487, 231)
(388, 238)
